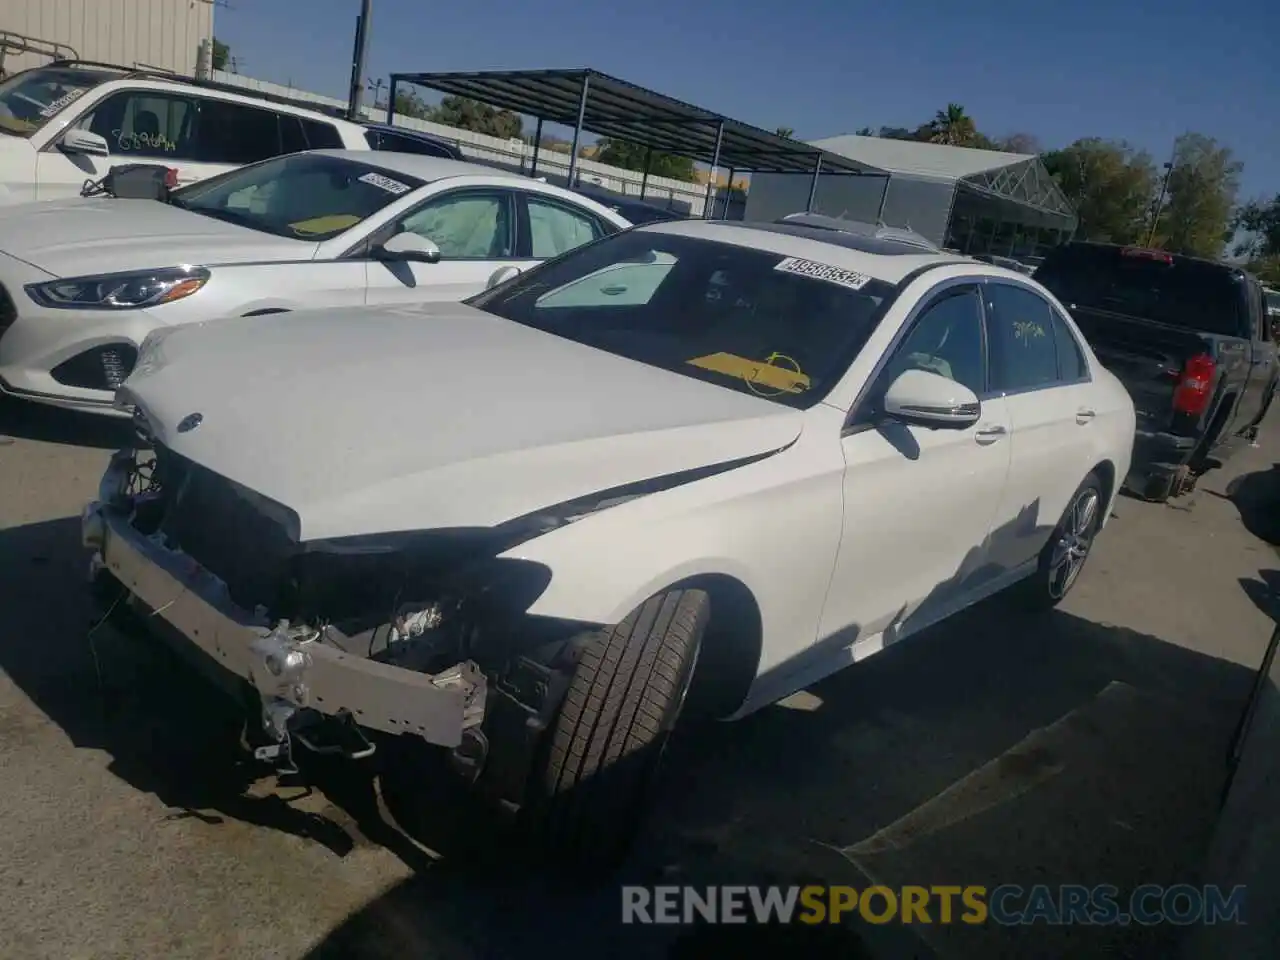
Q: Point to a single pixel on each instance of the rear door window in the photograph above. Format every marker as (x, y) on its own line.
(1071, 362)
(1020, 334)
(1196, 295)
(236, 133)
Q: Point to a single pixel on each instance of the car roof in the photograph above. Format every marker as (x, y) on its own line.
(883, 259)
(877, 231)
(418, 165)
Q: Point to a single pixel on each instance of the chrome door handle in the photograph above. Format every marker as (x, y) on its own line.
(990, 434)
(1083, 416)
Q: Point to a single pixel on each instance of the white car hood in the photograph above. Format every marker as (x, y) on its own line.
(81, 236)
(366, 422)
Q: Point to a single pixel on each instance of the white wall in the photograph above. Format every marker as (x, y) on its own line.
(150, 33)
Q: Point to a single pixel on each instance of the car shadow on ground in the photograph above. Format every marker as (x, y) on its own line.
(1001, 747)
(33, 421)
(1257, 496)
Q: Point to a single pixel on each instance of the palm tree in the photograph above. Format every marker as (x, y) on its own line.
(952, 127)
(787, 132)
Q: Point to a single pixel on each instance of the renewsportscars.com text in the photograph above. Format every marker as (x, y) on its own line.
(1008, 905)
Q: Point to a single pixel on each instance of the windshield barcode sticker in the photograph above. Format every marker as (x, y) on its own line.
(823, 271)
(49, 109)
(385, 183)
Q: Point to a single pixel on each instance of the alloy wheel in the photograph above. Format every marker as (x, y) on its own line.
(1072, 542)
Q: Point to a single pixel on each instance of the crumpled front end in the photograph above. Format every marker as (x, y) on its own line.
(218, 566)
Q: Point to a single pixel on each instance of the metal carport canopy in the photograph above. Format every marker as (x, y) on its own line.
(586, 99)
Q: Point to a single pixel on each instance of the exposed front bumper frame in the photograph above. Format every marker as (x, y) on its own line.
(322, 677)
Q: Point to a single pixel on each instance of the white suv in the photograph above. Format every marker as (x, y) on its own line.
(71, 121)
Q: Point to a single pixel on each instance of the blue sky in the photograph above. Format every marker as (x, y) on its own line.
(1138, 70)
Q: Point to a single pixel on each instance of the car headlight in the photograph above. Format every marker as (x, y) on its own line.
(120, 291)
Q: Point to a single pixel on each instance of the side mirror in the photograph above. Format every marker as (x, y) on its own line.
(931, 400)
(502, 275)
(411, 247)
(82, 141)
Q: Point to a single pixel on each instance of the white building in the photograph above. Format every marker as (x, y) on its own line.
(160, 34)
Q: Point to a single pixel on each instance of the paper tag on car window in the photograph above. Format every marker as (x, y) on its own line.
(50, 109)
(823, 271)
(385, 183)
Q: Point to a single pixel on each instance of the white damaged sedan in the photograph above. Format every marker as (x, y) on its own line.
(694, 458)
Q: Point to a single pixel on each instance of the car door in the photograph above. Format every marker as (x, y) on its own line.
(919, 502)
(476, 231)
(1037, 365)
(199, 135)
(140, 126)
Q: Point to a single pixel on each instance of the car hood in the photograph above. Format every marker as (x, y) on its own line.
(81, 236)
(373, 421)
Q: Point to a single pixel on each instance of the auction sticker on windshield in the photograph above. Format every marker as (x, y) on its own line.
(824, 271)
(48, 110)
(385, 183)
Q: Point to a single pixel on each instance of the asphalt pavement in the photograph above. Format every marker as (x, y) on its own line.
(1085, 746)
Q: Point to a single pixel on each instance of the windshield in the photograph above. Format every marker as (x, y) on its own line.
(305, 196)
(1194, 294)
(30, 99)
(753, 321)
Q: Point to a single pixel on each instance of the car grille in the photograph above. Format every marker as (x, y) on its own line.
(8, 312)
(235, 534)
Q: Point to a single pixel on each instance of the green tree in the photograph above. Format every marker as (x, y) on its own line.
(953, 127)
(1204, 182)
(409, 104)
(630, 156)
(1110, 184)
(220, 53)
(1019, 143)
(788, 132)
(468, 114)
(1259, 222)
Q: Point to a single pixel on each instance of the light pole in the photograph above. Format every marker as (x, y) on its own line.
(1155, 218)
(357, 59)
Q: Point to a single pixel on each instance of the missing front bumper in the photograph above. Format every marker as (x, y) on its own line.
(292, 667)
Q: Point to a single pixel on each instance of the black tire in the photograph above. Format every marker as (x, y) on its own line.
(604, 750)
(1049, 585)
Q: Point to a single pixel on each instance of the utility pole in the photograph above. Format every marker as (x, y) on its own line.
(1164, 187)
(376, 86)
(357, 59)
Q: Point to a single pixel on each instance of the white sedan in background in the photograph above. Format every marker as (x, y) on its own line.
(83, 281)
(735, 456)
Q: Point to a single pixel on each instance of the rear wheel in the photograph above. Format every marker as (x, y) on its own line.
(1064, 556)
(605, 748)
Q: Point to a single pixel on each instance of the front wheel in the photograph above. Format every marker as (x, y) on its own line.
(605, 747)
(1064, 556)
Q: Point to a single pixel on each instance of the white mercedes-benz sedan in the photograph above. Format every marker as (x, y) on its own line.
(714, 459)
(82, 281)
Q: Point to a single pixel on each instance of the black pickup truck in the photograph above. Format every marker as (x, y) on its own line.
(1189, 338)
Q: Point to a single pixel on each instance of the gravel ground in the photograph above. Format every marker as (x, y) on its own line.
(1082, 747)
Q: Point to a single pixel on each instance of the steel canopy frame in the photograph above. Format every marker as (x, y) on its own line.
(591, 101)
